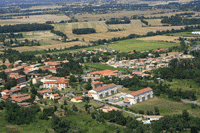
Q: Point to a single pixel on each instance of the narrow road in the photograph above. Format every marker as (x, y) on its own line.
(186, 101)
(106, 47)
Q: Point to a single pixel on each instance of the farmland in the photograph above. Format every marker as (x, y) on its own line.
(100, 66)
(166, 107)
(140, 45)
(34, 19)
(183, 34)
(160, 38)
(135, 27)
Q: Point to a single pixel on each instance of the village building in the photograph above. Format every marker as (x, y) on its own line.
(104, 73)
(139, 96)
(103, 91)
(54, 96)
(60, 84)
(77, 99)
(96, 84)
(5, 93)
(46, 93)
(18, 78)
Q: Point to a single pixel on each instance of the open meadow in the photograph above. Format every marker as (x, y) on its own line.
(160, 38)
(34, 19)
(135, 27)
(140, 45)
(166, 107)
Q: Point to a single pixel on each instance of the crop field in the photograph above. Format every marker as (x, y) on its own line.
(166, 107)
(34, 19)
(139, 45)
(154, 22)
(135, 27)
(160, 38)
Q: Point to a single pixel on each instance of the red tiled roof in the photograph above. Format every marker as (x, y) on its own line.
(78, 98)
(104, 87)
(97, 82)
(60, 81)
(6, 91)
(105, 72)
(135, 93)
(45, 91)
(4, 97)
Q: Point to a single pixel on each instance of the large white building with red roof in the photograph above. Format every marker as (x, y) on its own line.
(103, 91)
(139, 96)
(59, 84)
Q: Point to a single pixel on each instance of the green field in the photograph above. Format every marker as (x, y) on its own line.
(184, 34)
(140, 45)
(166, 107)
(102, 66)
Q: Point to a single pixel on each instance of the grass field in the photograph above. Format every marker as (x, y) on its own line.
(166, 107)
(34, 19)
(140, 45)
(102, 66)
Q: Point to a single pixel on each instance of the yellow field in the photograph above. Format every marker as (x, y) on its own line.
(34, 19)
(160, 38)
(154, 22)
(101, 28)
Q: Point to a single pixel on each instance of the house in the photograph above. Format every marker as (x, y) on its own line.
(53, 64)
(77, 99)
(104, 73)
(5, 93)
(139, 96)
(36, 80)
(37, 99)
(26, 105)
(60, 84)
(4, 98)
(103, 91)
(9, 65)
(108, 108)
(96, 84)
(18, 78)
(126, 77)
(53, 70)
(137, 73)
(54, 96)
(20, 98)
(46, 93)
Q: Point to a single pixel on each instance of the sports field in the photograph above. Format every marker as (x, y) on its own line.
(140, 45)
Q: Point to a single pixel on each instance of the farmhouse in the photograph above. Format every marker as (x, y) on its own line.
(77, 99)
(139, 96)
(103, 91)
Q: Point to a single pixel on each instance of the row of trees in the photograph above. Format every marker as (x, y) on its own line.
(59, 33)
(24, 27)
(117, 21)
(83, 31)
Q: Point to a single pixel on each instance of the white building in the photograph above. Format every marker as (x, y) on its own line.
(196, 33)
(139, 96)
(101, 92)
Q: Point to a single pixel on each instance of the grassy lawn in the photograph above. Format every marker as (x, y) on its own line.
(166, 107)
(102, 66)
(140, 45)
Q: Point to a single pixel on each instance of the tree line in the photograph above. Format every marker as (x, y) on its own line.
(117, 21)
(83, 31)
(24, 27)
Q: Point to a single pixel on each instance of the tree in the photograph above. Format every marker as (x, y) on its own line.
(86, 99)
(34, 91)
(60, 125)
(74, 108)
(65, 102)
(88, 86)
(185, 115)
(156, 111)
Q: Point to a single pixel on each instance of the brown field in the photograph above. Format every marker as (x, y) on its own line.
(34, 19)
(160, 38)
(134, 28)
(56, 45)
(154, 22)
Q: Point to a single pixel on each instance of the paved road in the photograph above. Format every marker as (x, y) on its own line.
(186, 101)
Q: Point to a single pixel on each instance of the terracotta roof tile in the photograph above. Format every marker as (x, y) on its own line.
(135, 93)
(104, 87)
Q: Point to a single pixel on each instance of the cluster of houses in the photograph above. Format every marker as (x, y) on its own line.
(15, 96)
(146, 64)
